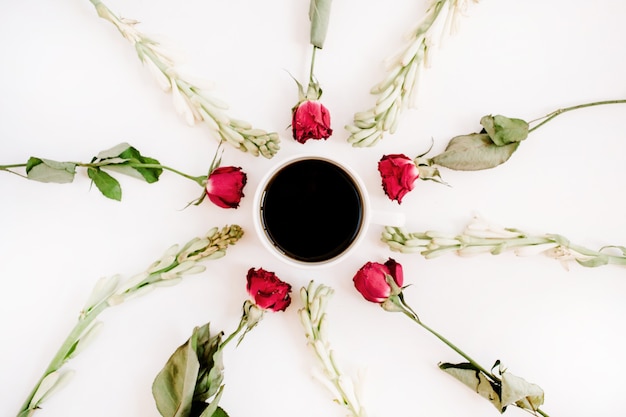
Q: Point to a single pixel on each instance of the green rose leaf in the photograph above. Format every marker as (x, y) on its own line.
(319, 14)
(503, 130)
(509, 390)
(127, 160)
(474, 379)
(107, 185)
(212, 409)
(192, 375)
(149, 174)
(220, 413)
(174, 386)
(211, 373)
(474, 152)
(112, 152)
(46, 170)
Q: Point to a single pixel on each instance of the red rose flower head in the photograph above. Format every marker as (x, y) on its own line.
(398, 173)
(371, 280)
(267, 290)
(310, 120)
(224, 187)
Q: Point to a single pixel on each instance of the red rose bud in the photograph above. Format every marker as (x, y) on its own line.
(371, 280)
(224, 187)
(311, 120)
(267, 291)
(399, 174)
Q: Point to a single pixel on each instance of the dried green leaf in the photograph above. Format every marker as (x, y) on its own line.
(112, 152)
(516, 390)
(107, 185)
(124, 159)
(149, 174)
(174, 386)
(474, 379)
(474, 152)
(211, 410)
(211, 372)
(503, 130)
(319, 14)
(220, 412)
(46, 170)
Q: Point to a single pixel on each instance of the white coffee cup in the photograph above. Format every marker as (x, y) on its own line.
(312, 211)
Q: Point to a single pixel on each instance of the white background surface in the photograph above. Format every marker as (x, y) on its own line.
(71, 86)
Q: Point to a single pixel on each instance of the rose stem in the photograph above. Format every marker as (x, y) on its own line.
(413, 316)
(407, 310)
(199, 180)
(242, 324)
(555, 113)
(7, 169)
(311, 76)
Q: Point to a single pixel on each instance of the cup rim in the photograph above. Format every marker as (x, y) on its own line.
(258, 222)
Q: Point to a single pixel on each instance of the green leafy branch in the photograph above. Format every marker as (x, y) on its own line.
(319, 15)
(192, 376)
(499, 138)
(191, 382)
(500, 387)
(170, 269)
(482, 237)
(123, 159)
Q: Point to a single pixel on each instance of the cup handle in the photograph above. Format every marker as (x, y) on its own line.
(388, 218)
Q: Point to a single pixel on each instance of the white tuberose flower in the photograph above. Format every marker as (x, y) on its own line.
(398, 91)
(190, 97)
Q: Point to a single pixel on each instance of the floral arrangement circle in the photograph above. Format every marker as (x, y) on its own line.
(192, 381)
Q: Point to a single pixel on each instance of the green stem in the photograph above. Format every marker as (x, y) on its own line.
(200, 180)
(62, 354)
(612, 259)
(6, 167)
(411, 314)
(408, 311)
(242, 325)
(311, 76)
(510, 243)
(555, 113)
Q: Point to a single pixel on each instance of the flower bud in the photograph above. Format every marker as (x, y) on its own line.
(371, 280)
(224, 186)
(310, 120)
(398, 173)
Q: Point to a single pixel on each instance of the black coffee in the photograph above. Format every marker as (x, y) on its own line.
(312, 210)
